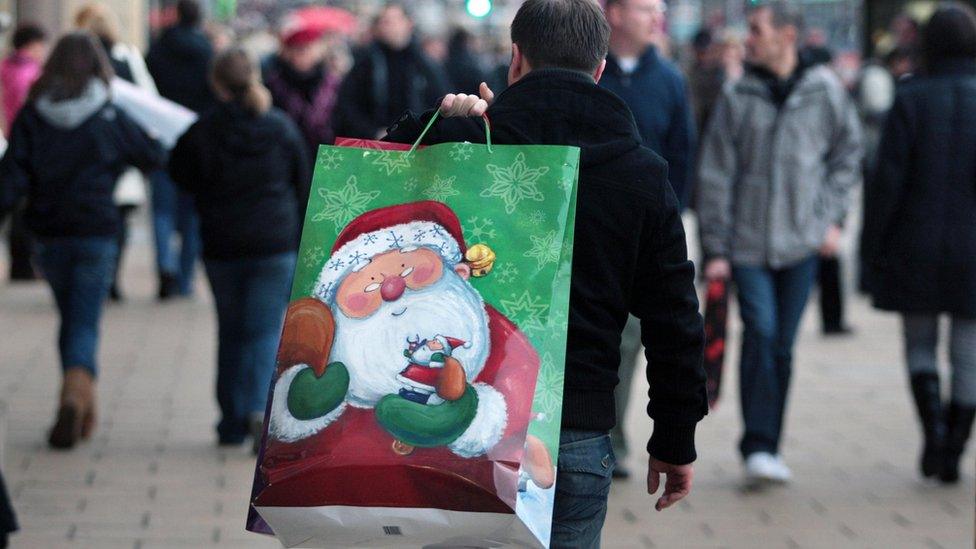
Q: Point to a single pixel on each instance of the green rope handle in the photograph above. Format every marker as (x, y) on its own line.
(433, 119)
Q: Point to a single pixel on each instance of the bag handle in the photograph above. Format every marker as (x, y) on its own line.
(434, 119)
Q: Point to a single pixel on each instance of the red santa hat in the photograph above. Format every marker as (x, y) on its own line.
(402, 227)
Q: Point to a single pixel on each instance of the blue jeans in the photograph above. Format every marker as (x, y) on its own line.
(251, 296)
(173, 212)
(79, 271)
(771, 302)
(582, 485)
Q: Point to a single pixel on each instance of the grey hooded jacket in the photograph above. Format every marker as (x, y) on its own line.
(771, 180)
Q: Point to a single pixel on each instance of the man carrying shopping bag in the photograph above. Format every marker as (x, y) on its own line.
(629, 254)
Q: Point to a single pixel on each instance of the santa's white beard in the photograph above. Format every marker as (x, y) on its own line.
(372, 348)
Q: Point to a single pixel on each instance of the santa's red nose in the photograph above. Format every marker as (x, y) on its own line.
(392, 288)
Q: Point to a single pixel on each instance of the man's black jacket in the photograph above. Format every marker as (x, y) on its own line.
(629, 254)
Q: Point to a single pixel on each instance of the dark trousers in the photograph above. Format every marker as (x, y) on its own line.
(831, 294)
(251, 295)
(173, 212)
(21, 248)
(79, 270)
(771, 302)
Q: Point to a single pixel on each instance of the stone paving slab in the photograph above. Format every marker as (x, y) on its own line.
(153, 476)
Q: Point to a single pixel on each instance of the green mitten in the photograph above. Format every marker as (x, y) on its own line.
(427, 426)
(311, 397)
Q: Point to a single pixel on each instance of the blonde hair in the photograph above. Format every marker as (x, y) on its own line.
(100, 20)
(235, 73)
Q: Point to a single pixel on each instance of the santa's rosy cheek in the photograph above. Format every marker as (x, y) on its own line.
(357, 302)
(422, 274)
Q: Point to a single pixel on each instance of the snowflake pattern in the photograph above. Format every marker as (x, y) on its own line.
(441, 189)
(344, 205)
(548, 390)
(395, 240)
(410, 185)
(479, 229)
(557, 325)
(392, 161)
(329, 159)
(533, 220)
(506, 274)
(545, 249)
(461, 151)
(526, 311)
(515, 183)
(313, 257)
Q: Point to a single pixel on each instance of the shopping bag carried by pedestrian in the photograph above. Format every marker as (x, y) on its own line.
(418, 392)
(716, 320)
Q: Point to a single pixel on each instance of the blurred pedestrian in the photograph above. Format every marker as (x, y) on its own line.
(462, 66)
(179, 61)
(303, 86)
(67, 149)
(706, 77)
(920, 231)
(244, 162)
(779, 159)
(655, 91)
(629, 256)
(389, 77)
(128, 64)
(832, 323)
(18, 71)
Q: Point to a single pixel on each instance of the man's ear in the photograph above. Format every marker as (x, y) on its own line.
(517, 67)
(463, 270)
(598, 73)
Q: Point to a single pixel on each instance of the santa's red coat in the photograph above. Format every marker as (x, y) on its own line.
(352, 462)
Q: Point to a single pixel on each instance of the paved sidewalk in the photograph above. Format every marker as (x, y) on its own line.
(153, 476)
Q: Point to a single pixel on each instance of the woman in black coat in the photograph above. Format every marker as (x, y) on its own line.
(919, 241)
(244, 163)
(68, 147)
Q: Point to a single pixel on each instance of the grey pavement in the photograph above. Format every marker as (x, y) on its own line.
(153, 477)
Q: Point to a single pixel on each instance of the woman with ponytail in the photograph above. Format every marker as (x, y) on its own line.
(245, 163)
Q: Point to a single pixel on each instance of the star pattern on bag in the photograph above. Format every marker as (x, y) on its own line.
(545, 249)
(392, 162)
(441, 189)
(343, 205)
(515, 183)
(526, 310)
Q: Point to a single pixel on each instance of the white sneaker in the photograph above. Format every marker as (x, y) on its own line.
(765, 467)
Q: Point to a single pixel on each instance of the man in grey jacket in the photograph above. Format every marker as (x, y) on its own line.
(779, 157)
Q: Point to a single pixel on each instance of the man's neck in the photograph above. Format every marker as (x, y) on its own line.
(621, 48)
(786, 66)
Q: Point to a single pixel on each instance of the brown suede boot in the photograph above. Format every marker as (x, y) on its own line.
(76, 411)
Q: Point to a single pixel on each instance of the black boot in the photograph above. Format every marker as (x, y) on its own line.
(959, 423)
(928, 400)
(168, 286)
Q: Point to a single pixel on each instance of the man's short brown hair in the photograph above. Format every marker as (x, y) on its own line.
(565, 34)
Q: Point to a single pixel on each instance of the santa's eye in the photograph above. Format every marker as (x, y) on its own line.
(372, 287)
(406, 272)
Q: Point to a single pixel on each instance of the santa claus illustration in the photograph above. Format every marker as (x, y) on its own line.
(396, 360)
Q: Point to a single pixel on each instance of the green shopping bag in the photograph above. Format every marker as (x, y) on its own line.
(418, 393)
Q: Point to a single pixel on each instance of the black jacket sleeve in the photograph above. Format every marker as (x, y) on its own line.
(665, 301)
(884, 189)
(186, 162)
(301, 172)
(15, 168)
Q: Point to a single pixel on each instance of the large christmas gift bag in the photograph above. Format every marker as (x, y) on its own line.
(418, 392)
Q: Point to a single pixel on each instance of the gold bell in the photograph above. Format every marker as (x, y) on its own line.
(481, 259)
